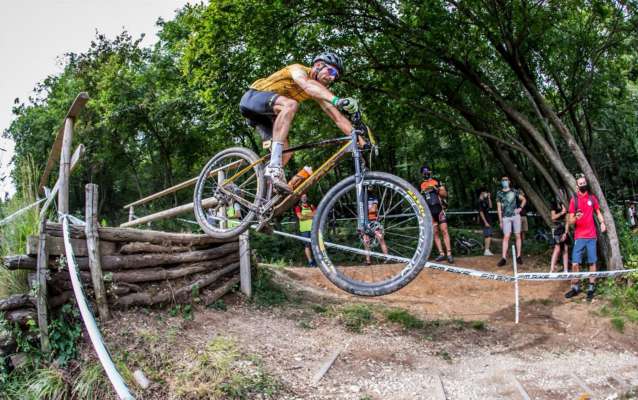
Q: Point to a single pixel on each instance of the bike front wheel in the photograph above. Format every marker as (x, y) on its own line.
(389, 252)
(228, 192)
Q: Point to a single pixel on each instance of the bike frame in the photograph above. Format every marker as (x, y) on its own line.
(279, 205)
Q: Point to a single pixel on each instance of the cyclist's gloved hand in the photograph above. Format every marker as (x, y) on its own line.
(348, 104)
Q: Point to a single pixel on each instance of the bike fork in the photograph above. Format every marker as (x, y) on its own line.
(362, 214)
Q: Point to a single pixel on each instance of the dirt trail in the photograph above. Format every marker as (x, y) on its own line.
(557, 346)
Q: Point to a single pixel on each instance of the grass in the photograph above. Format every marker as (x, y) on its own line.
(404, 318)
(356, 316)
(266, 293)
(91, 383)
(219, 371)
(13, 236)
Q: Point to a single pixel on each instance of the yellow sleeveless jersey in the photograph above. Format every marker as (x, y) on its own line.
(281, 82)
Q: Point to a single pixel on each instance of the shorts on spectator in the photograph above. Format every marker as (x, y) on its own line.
(438, 214)
(487, 231)
(582, 245)
(511, 224)
(306, 235)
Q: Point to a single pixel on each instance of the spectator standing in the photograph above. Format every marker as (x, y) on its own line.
(524, 224)
(509, 218)
(559, 214)
(582, 208)
(485, 206)
(305, 212)
(435, 194)
(375, 228)
(631, 213)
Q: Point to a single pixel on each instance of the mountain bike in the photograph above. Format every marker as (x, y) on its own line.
(341, 228)
(465, 245)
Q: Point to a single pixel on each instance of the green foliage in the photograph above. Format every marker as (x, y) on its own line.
(14, 234)
(91, 383)
(218, 304)
(266, 292)
(64, 332)
(404, 318)
(185, 310)
(217, 371)
(356, 316)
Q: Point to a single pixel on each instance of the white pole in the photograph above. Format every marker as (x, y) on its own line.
(515, 282)
(89, 321)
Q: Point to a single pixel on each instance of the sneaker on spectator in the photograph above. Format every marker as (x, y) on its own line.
(488, 253)
(440, 258)
(501, 262)
(590, 295)
(312, 264)
(519, 260)
(450, 259)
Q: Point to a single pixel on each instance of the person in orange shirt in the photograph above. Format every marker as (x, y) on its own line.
(270, 105)
(375, 226)
(435, 193)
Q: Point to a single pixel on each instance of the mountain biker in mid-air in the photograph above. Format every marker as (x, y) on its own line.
(270, 105)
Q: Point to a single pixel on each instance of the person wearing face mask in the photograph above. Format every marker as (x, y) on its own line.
(435, 193)
(509, 203)
(582, 208)
(305, 212)
(485, 205)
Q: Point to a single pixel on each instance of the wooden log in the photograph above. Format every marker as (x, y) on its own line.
(133, 261)
(160, 274)
(244, 265)
(139, 247)
(139, 235)
(169, 213)
(54, 154)
(165, 296)
(21, 317)
(218, 293)
(17, 301)
(75, 159)
(41, 296)
(56, 246)
(92, 244)
(65, 167)
(62, 281)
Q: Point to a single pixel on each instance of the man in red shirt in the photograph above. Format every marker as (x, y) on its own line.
(582, 208)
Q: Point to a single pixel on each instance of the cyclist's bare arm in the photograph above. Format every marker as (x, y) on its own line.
(315, 89)
(339, 119)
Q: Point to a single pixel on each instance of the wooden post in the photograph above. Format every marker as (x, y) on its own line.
(131, 214)
(92, 244)
(244, 265)
(41, 272)
(65, 166)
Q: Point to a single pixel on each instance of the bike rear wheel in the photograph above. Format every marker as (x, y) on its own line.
(228, 192)
(397, 242)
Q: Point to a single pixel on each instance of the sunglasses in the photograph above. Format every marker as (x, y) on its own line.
(332, 71)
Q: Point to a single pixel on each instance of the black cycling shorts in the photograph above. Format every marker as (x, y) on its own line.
(258, 108)
(438, 214)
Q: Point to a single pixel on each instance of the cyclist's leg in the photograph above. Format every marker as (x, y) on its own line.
(285, 109)
(444, 231)
(379, 234)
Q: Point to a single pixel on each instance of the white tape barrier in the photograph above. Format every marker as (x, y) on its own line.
(528, 276)
(89, 321)
(20, 212)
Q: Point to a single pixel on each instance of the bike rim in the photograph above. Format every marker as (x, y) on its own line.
(393, 250)
(229, 193)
